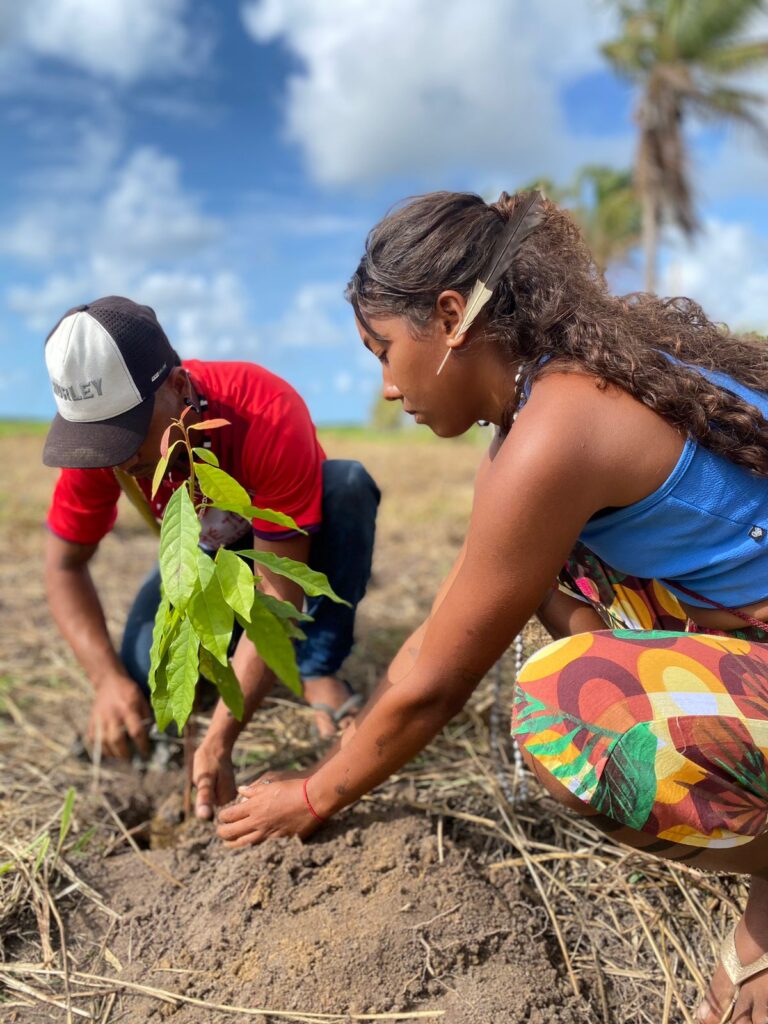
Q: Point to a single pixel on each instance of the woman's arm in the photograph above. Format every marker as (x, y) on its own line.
(406, 657)
(574, 450)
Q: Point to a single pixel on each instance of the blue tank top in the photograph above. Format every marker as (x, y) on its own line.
(705, 527)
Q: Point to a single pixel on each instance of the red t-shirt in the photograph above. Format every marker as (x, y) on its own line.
(270, 448)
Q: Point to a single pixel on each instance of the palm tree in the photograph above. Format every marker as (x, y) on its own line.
(682, 54)
(606, 207)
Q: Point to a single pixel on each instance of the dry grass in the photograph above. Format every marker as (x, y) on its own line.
(636, 937)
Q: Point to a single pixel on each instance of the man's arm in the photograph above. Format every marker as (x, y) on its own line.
(119, 708)
(212, 773)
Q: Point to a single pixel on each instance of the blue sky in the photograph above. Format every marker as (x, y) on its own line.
(223, 161)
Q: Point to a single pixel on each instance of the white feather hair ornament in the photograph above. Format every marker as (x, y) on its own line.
(525, 218)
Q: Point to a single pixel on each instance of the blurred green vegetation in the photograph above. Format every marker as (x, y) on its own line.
(24, 428)
(408, 435)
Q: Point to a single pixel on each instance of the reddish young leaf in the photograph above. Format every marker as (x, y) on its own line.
(164, 441)
(209, 425)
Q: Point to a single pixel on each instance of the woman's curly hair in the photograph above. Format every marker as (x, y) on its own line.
(554, 303)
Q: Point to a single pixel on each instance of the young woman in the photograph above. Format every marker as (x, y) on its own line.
(626, 487)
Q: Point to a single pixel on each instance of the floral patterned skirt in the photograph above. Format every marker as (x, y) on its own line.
(657, 727)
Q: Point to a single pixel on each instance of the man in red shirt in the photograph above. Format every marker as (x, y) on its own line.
(118, 383)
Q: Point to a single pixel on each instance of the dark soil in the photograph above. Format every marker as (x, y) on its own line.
(363, 918)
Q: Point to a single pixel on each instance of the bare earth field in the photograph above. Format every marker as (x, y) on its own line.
(435, 898)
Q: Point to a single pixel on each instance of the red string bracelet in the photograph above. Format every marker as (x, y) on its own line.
(310, 808)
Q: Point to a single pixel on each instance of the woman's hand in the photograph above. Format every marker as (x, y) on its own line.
(214, 778)
(267, 809)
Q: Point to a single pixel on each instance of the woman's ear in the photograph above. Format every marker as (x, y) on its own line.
(449, 312)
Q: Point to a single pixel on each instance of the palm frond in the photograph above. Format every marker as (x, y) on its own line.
(703, 26)
(739, 57)
(735, 104)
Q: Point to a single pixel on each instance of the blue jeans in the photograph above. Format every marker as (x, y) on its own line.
(342, 549)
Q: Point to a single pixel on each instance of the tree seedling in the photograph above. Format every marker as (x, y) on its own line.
(202, 597)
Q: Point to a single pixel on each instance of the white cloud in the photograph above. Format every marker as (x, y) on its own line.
(343, 382)
(148, 214)
(739, 167)
(402, 87)
(726, 271)
(118, 40)
(204, 316)
(120, 218)
(318, 317)
(140, 234)
(81, 155)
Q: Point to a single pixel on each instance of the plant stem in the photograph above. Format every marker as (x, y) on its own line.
(189, 735)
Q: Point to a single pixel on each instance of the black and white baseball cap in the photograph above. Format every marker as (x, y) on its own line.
(106, 360)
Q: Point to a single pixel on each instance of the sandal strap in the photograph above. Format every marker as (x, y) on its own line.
(351, 704)
(325, 708)
(738, 972)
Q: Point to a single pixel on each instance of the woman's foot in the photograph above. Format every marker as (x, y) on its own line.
(326, 693)
(751, 939)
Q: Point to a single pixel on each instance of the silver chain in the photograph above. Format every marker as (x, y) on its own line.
(515, 789)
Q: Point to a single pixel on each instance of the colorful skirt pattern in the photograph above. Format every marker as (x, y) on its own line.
(661, 730)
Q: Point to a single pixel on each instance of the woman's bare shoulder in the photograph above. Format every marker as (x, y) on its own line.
(621, 445)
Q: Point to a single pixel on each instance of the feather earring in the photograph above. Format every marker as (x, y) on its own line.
(522, 222)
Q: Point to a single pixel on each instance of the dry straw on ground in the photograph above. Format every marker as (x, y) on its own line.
(634, 939)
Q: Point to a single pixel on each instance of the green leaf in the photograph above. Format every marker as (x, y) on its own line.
(206, 455)
(227, 494)
(270, 516)
(212, 619)
(286, 612)
(553, 747)
(66, 815)
(626, 790)
(156, 651)
(171, 629)
(205, 568)
(43, 843)
(161, 467)
(223, 490)
(179, 538)
(282, 609)
(83, 840)
(161, 703)
(182, 673)
(236, 582)
(311, 582)
(226, 682)
(266, 633)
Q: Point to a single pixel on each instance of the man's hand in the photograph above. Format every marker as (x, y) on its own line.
(214, 777)
(268, 808)
(119, 712)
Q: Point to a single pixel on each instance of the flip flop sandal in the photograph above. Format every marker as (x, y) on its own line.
(353, 703)
(737, 972)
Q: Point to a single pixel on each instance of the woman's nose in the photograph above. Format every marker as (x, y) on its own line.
(391, 392)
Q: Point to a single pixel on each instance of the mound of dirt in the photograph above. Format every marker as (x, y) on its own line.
(363, 918)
